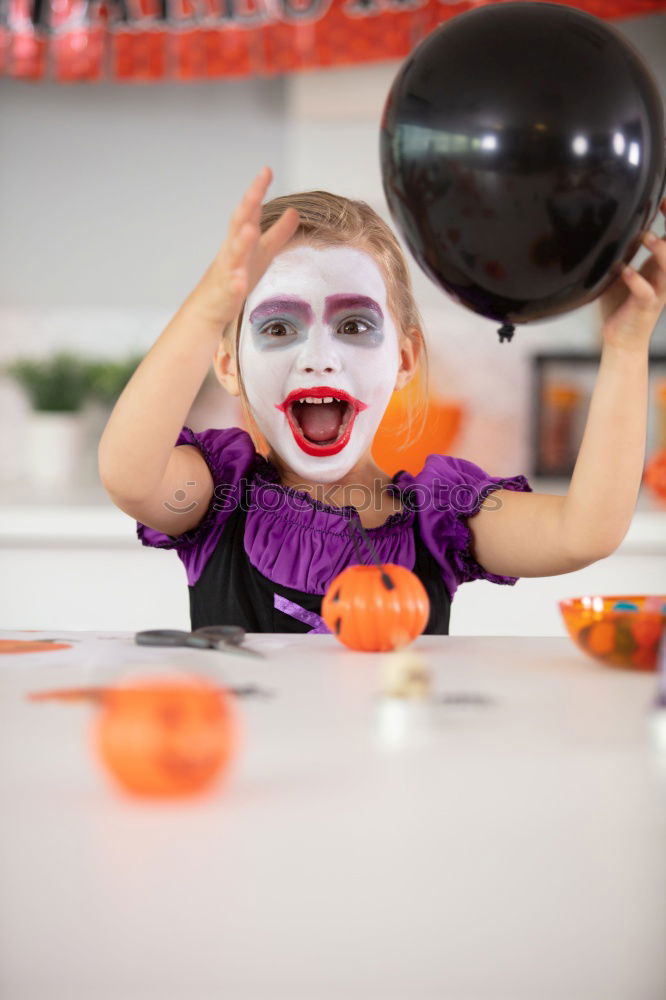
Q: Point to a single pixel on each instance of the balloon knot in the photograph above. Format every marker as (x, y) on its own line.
(506, 332)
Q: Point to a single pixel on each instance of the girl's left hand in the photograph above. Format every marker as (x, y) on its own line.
(631, 306)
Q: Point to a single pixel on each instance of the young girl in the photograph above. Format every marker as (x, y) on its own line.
(307, 313)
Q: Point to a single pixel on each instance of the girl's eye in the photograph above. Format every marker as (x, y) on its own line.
(277, 329)
(353, 327)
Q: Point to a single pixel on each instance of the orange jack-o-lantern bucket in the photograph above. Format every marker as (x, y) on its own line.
(166, 737)
(368, 613)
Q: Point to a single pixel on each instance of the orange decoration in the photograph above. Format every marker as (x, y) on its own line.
(646, 629)
(69, 694)
(145, 41)
(365, 614)
(601, 638)
(441, 427)
(166, 738)
(654, 476)
(30, 646)
(644, 657)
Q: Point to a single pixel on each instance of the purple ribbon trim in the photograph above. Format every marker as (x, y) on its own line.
(301, 615)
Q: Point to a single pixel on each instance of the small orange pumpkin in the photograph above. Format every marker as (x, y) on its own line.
(367, 614)
(164, 738)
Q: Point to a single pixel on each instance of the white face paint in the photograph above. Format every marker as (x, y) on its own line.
(318, 327)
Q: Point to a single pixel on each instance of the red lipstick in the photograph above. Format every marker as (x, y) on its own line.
(354, 407)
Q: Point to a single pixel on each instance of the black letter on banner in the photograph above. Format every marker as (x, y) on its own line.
(39, 16)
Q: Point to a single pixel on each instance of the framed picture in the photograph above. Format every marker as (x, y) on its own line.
(562, 385)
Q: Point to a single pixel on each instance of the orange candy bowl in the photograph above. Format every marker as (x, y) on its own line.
(609, 630)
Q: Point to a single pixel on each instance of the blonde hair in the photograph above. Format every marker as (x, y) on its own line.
(328, 220)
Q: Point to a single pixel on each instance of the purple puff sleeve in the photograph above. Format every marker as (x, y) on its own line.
(229, 453)
(446, 494)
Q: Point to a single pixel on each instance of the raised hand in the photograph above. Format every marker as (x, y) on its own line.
(633, 304)
(246, 252)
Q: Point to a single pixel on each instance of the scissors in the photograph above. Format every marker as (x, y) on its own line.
(226, 638)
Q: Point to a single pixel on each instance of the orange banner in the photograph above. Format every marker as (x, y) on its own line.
(148, 40)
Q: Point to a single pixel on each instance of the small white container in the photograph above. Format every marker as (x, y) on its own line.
(54, 448)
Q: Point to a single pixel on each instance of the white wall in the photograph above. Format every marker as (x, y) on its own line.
(118, 195)
(113, 200)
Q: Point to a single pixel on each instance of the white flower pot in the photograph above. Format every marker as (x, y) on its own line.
(53, 448)
(94, 418)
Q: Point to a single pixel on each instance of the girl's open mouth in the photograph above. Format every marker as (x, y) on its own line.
(321, 419)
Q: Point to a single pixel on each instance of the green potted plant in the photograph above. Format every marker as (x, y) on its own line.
(107, 378)
(57, 387)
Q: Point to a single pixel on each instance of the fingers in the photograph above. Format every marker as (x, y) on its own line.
(653, 270)
(246, 254)
(280, 232)
(641, 288)
(657, 248)
(240, 249)
(248, 212)
(249, 208)
(242, 243)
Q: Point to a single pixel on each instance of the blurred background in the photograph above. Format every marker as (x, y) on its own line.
(114, 197)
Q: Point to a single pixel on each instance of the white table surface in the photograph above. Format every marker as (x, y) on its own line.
(511, 848)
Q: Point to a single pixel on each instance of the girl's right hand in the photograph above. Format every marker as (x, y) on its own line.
(245, 254)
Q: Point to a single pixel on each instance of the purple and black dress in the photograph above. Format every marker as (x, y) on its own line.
(264, 554)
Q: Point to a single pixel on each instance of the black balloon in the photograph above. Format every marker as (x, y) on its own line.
(523, 154)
